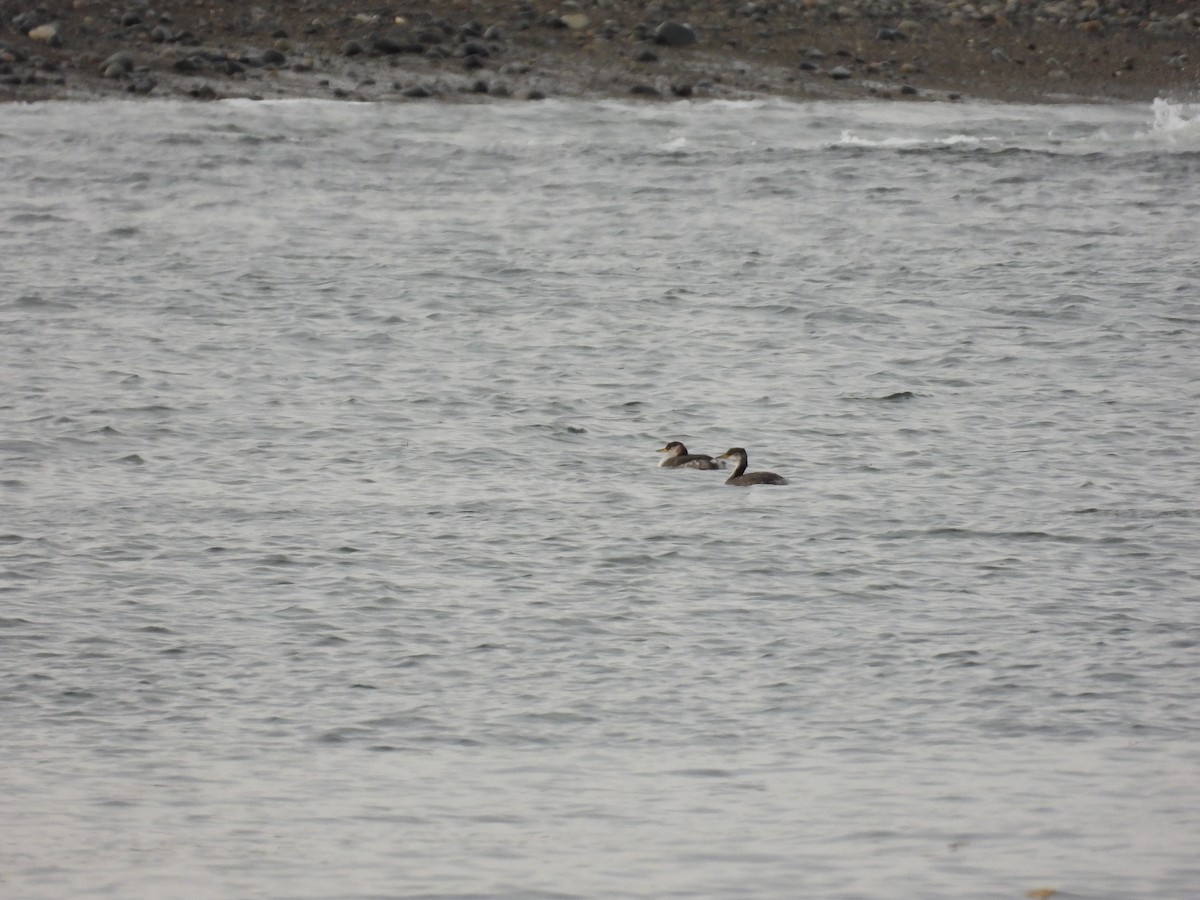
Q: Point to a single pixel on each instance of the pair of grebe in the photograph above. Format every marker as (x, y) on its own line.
(678, 458)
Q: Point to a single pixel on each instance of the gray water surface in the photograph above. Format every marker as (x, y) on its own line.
(335, 561)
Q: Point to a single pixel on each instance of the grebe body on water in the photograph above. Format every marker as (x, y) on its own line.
(678, 458)
(742, 478)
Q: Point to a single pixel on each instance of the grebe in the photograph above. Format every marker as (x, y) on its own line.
(741, 477)
(678, 458)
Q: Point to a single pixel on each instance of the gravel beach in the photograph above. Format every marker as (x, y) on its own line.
(1009, 50)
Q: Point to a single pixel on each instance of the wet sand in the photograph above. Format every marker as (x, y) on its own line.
(1021, 50)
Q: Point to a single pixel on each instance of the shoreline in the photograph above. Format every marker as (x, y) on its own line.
(1029, 51)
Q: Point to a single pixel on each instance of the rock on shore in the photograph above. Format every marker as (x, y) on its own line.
(1029, 50)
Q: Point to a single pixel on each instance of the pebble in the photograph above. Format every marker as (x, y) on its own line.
(674, 34)
(575, 21)
(385, 45)
(117, 64)
(45, 33)
(472, 48)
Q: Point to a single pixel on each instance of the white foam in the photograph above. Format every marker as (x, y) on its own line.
(1174, 122)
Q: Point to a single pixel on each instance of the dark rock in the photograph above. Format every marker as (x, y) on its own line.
(130, 19)
(341, 93)
(141, 84)
(186, 64)
(416, 92)
(645, 90)
(807, 66)
(479, 87)
(385, 45)
(119, 63)
(279, 34)
(161, 34)
(646, 56)
(535, 94)
(681, 90)
(840, 73)
(473, 62)
(434, 53)
(233, 67)
(471, 29)
(472, 48)
(430, 37)
(890, 34)
(203, 92)
(274, 57)
(9, 54)
(674, 34)
(908, 89)
(351, 48)
(494, 33)
(26, 22)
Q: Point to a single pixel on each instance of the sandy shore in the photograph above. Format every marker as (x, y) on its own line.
(1013, 50)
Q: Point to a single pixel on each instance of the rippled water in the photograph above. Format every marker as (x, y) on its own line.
(336, 562)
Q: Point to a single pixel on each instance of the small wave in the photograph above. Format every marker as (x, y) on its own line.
(968, 533)
(850, 139)
(1142, 514)
(34, 218)
(895, 397)
(37, 301)
(23, 448)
